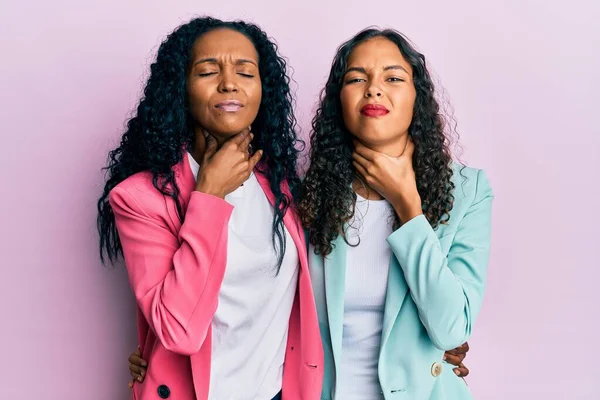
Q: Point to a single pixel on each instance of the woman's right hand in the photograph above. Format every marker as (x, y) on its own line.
(137, 367)
(224, 170)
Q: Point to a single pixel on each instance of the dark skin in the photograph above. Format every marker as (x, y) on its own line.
(225, 67)
(224, 93)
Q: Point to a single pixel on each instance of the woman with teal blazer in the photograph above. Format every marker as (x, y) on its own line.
(399, 233)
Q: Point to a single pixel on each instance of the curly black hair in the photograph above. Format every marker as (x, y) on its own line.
(162, 127)
(327, 200)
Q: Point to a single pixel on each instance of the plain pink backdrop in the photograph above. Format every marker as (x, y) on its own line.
(524, 79)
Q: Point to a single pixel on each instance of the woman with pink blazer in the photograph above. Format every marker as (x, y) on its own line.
(200, 207)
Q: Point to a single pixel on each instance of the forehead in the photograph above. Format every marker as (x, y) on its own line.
(377, 52)
(224, 42)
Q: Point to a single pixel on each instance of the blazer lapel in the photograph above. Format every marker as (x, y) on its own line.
(335, 283)
(396, 293)
(185, 181)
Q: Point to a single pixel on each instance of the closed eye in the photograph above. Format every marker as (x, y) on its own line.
(246, 75)
(354, 80)
(207, 74)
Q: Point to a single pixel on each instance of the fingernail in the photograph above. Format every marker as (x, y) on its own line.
(139, 378)
(444, 357)
(457, 372)
(144, 364)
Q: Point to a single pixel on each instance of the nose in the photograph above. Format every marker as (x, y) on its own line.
(228, 83)
(372, 92)
(373, 89)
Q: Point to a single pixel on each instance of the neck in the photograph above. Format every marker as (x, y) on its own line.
(393, 148)
(199, 146)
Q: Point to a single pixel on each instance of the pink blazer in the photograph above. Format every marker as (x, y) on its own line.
(176, 269)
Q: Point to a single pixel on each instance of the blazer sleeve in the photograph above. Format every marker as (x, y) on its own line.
(175, 278)
(448, 290)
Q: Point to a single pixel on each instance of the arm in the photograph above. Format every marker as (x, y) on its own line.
(448, 291)
(175, 279)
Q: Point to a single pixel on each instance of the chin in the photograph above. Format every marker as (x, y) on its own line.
(223, 136)
(372, 137)
(229, 130)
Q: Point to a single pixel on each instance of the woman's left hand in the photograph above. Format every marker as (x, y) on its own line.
(456, 357)
(392, 177)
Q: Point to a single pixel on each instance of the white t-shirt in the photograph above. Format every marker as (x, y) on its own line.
(367, 268)
(250, 326)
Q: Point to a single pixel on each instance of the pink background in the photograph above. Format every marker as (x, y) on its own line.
(524, 79)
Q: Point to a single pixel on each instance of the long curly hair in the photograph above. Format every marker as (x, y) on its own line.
(327, 200)
(162, 127)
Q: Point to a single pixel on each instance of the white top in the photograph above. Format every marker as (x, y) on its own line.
(250, 326)
(367, 268)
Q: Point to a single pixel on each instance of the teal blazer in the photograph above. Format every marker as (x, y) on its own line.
(435, 290)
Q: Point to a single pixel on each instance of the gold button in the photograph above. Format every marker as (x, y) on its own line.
(436, 369)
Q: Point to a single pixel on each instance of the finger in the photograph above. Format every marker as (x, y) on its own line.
(454, 359)
(130, 384)
(364, 151)
(136, 360)
(461, 371)
(360, 169)
(239, 138)
(211, 147)
(255, 159)
(246, 142)
(138, 352)
(136, 377)
(136, 369)
(361, 160)
(462, 349)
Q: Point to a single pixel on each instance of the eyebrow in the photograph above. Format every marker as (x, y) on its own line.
(364, 71)
(239, 61)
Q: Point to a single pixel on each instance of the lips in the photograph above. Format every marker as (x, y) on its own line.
(374, 110)
(229, 105)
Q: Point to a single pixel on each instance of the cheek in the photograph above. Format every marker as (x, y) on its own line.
(348, 102)
(405, 106)
(346, 99)
(198, 98)
(254, 97)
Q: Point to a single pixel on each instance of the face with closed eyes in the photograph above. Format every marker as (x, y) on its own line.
(378, 93)
(224, 86)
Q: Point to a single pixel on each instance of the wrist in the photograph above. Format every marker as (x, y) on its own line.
(208, 189)
(407, 210)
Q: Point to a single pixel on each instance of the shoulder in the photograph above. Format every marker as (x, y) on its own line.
(470, 184)
(472, 191)
(138, 194)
